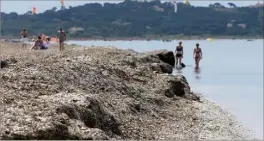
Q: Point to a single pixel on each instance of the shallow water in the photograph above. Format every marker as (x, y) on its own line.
(230, 74)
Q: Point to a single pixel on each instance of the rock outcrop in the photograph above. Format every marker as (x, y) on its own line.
(96, 93)
(164, 55)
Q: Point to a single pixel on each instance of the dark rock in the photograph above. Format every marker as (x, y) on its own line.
(4, 64)
(167, 57)
(175, 87)
(178, 88)
(162, 67)
(162, 55)
(166, 68)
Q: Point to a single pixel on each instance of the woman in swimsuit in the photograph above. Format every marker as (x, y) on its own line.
(179, 53)
(197, 55)
(38, 44)
(23, 37)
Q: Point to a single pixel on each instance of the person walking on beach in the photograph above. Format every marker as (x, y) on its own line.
(197, 55)
(24, 38)
(179, 54)
(61, 35)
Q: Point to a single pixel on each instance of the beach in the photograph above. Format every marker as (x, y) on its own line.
(104, 93)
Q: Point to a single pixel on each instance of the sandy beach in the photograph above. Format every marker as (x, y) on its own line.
(104, 93)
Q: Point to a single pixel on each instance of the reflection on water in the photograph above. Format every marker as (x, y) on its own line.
(178, 70)
(197, 72)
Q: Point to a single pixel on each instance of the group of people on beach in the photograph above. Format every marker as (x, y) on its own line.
(197, 55)
(42, 43)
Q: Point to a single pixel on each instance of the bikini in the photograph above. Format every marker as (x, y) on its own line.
(197, 53)
(179, 51)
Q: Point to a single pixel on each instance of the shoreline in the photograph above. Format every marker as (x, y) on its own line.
(201, 120)
(158, 38)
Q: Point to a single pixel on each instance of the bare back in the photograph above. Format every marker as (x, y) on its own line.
(23, 34)
(61, 35)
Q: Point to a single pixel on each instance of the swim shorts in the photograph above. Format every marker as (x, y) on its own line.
(24, 40)
(178, 55)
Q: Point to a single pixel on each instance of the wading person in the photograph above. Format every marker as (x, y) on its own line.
(197, 55)
(24, 38)
(179, 54)
(61, 35)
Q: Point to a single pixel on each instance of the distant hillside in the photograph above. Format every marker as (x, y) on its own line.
(130, 19)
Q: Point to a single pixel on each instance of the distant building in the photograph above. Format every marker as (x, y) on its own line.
(75, 29)
(229, 25)
(242, 25)
(157, 8)
(256, 5)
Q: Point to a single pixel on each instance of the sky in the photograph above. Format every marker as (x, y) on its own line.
(22, 6)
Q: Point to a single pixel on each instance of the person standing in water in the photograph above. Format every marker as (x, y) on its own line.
(24, 38)
(179, 54)
(61, 35)
(197, 55)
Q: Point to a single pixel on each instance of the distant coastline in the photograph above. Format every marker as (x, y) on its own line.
(166, 38)
(133, 20)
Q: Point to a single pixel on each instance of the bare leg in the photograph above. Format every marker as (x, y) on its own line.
(176, 61)
(34, 47)
(198, 61)
(60, 45)
(180, 60)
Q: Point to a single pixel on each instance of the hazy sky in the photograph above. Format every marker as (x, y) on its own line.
(22, 6)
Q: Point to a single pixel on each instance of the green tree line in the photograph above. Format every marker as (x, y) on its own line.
(137, 19)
